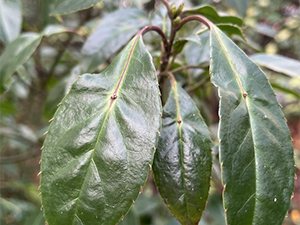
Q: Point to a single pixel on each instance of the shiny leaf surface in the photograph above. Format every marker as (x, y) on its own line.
(278, 63)
(182, 163)
(256, 152)
(10, 20)
(108, 39)
(100, 145)
(69, 6)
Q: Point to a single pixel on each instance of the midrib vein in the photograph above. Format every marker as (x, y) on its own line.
(243, 91)
(181, 152)
(229, 62)
(105, 120)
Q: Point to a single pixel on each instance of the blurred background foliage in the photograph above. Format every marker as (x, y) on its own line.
(73, 46)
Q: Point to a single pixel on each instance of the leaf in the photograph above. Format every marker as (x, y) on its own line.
(69, 6)
(20, 50)
(240, 6)
(106, 40)
(210, 13)
(231, 30)
(100, 145)
(16, 53)
(182, 163)
(278, 63)
(10, 20)
(180, 43)
(256, 152)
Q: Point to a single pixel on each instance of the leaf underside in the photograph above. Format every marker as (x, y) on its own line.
(182, 163)
(256, 152)
(98, 149)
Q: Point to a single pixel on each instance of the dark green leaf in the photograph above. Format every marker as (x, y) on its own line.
(239, 5)
(278, 63)
(231, 30)
(114, 31)
(16, 53)
(100, 145)
(256, 151)
(182, 163)
(180, 43)
(69, 6)
(210, 13)
(10, 20)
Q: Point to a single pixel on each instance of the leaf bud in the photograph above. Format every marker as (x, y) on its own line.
(174, 11)
(179, 10)
(176, 21)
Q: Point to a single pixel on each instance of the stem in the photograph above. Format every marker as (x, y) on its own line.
(159, 31)
(199, 18)
(166, 3)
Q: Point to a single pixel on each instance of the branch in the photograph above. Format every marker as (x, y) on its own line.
(166, 3)
(159, 31)
(199, 18)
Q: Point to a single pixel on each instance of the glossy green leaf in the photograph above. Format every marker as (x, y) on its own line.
(100, 145)
(278, 63)
(256, 151)
(16, 53)
(108, 39)
(240, 6)
(69, 6)
(10, 20)
(182, 163)
(210, 13)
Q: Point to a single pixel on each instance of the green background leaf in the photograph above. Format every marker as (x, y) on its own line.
(99, 149)
(182, 163)
(16, 53)
(69, 6)
(10, 20)
(278, 63)
(256, 152)
(108, 39)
